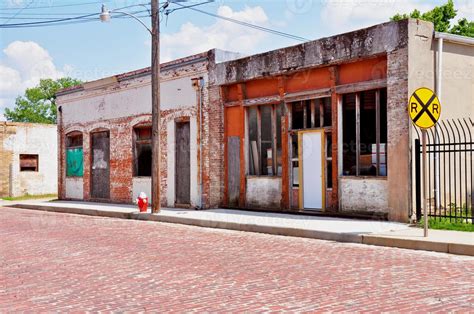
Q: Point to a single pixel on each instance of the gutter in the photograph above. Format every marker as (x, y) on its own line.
(458, 39)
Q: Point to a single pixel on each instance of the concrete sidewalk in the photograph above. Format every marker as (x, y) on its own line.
(382, 233)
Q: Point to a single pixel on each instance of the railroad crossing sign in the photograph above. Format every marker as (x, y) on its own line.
(424, 108)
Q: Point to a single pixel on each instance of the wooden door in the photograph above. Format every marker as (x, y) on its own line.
(311, 163)
(233, 170)
(183, 166)
(100, 165)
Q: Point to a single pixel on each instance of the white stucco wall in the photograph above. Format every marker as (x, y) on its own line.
(263, 192)
(74, 188)
(363, 194)
(34, 139)
(131, 99)
(141, 184)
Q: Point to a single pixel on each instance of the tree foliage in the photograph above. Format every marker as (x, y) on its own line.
(38, 105)
(441, 17)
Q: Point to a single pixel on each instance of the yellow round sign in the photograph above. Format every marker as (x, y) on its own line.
(424, 108)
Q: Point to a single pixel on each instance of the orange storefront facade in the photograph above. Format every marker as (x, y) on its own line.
(312, 133)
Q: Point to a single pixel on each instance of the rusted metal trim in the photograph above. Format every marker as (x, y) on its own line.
(357, 133)
(232, 103)
(307, 95)
(361, 86)
(269, 100)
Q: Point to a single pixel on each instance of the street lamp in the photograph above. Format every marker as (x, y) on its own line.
(105, 16)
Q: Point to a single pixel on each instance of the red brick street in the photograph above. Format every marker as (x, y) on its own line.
(67, 262)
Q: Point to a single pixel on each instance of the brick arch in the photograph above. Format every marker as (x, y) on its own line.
(140, 121)
(74, 128)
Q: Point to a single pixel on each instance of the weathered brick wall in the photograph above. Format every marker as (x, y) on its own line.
(121, 132)
(398, 150)
(214, 159)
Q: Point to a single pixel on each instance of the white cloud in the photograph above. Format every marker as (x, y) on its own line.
(191, 39)
(465, 9)
(346, 15)
(22, 65)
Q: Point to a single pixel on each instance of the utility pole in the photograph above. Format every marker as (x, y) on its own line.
(155, 105)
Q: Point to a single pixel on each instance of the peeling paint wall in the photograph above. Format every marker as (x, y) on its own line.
(375, 40)
(359, 59)
(141, 184)
(263, 192)
(27, 138)
(74, 188)
(369, 194)
(119, 103)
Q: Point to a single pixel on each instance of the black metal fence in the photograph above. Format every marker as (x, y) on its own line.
(449, 171)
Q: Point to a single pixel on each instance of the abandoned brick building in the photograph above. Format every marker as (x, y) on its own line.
(105, 135)
(318, 126)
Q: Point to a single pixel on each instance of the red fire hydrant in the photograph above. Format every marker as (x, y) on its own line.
(142, 202)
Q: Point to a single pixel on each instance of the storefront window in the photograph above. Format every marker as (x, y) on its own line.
(264, 134)
(365, 133)
(311, 113)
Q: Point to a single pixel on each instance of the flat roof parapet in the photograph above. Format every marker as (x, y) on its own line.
(366, 42)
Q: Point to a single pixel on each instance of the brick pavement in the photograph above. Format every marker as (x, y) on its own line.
(65, 262)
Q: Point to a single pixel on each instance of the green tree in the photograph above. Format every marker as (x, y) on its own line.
(441, 17)
(464, 27)
(38, 105)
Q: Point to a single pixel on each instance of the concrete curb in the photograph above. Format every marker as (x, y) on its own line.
(378, 240)
(412, 244)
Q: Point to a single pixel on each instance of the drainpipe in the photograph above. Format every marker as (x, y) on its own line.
(439, 87)
(198, 84)
(201, 87)
(61, 154)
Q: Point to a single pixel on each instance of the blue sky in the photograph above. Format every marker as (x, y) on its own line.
(92, 50)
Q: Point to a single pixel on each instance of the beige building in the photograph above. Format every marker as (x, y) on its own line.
(28, 159)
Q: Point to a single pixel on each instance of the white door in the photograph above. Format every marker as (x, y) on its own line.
(312, 170)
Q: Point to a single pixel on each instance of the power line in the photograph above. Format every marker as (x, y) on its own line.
(80, 18)
(58, 6)
(21, 10)
(261, 28)
(87, 18)
(69, 21)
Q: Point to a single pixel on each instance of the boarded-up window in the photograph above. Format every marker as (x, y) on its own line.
(142, 162)
(28, 162)
(264, 135)
(74, 155)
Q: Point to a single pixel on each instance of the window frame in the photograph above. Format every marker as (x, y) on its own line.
(357, 133)
(137, 141)
(35, 157)
(68, 146)
(274, 139)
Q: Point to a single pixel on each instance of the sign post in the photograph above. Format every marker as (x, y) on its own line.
(424, 109)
